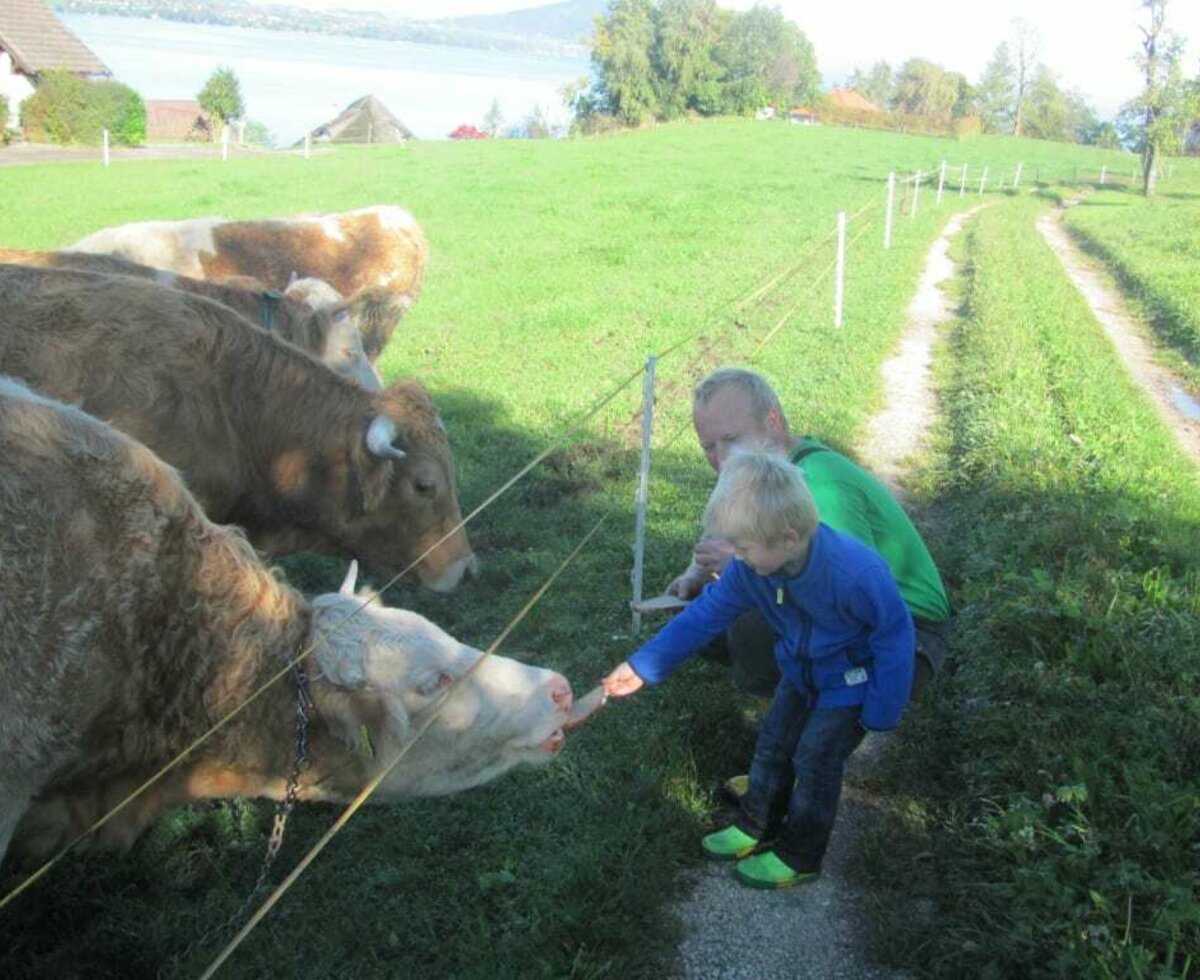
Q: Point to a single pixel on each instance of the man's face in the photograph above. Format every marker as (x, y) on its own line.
(725, 423)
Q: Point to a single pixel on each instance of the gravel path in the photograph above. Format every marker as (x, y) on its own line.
(817, 930)
(1164, 389)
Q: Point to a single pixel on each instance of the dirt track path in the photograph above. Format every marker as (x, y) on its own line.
(1163, 388)
(817, 931)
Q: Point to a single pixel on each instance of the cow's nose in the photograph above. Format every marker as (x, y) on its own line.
(560, 691)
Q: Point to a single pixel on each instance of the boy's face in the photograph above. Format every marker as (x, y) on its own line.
(767, 559)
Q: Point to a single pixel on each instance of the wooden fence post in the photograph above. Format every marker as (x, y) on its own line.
(941, 181)
(983, 180)
(106, 157)
(962, 188)
(1017, 177)
(639, 534)
(916, 193)
(225, 142)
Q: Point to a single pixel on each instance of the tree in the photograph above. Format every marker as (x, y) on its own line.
(687, 77)
(877, 84)
(492, 119)
(1168, 104)
(1027, 45)
(221, 96)
(621, 56)
(994, 93)
(766, 59)
(926, 89)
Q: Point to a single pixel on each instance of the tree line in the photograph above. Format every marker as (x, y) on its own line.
(661, 59)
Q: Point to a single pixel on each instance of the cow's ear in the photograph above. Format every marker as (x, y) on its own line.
(377, 311)
(369, 480)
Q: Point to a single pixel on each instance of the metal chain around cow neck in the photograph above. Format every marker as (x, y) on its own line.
(283, 809)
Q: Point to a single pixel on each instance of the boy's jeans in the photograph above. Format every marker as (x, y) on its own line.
(796, 776)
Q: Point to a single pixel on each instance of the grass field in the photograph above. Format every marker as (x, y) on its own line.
(555, 268)
(1153, 248)
(1052, 783)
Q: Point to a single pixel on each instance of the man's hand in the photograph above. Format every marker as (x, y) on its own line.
(688, 585)
(622, 682)
(710, 556)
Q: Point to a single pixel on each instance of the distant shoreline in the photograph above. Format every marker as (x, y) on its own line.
(376, 27)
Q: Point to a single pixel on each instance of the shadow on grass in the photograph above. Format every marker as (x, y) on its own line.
(1075, 640)
(566, 869)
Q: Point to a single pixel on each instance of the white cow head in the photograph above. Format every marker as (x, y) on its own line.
(382, 674)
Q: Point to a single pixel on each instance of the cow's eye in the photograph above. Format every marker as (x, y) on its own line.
(434, 683)
(425, 487)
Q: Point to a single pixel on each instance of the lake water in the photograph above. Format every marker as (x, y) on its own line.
(293, 82)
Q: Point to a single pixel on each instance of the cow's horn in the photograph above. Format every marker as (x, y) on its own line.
(380, 434)
(351, 579)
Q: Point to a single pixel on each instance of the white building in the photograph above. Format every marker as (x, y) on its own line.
(33, 41)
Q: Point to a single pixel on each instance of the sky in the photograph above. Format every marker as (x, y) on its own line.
(1087, 42)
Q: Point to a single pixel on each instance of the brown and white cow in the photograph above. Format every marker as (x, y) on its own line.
(130, 624)
(266, 437)
(374, 256)
(309, 313)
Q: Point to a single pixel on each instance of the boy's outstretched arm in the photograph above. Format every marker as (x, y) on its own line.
(622, 682)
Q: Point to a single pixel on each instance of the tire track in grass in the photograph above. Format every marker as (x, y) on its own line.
(816, 931)
(1165, 391)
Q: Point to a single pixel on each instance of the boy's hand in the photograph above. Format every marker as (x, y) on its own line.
(622, 682)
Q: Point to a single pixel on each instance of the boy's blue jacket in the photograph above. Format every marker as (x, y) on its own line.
(843, 633)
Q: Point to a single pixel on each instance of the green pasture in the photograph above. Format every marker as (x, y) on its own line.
(1047, 795)
(555, 268)
(1153, 248)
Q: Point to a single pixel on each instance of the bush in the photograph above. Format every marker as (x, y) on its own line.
(70, 109)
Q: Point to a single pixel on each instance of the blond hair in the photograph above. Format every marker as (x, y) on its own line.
(754, 386)
(759, 497)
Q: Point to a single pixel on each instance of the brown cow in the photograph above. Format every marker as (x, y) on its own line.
(265, 436)
(374, 255)
(309, 313)
(130, 624)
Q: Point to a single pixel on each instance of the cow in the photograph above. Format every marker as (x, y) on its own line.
(309, 313)
(266, 437)
(130, 624)
(374, 256)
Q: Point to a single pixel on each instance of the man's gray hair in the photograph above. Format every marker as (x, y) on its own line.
(753, 385)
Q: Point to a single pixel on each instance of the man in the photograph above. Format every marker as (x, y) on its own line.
(736, 408)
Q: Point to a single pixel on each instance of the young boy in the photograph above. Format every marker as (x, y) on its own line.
(844, 645)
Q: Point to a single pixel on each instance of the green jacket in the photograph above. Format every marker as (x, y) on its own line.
(851, 500)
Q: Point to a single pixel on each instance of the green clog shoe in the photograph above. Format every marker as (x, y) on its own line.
(729, 844)
(767, 870)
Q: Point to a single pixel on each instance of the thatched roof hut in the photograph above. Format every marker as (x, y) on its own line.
(366, 120)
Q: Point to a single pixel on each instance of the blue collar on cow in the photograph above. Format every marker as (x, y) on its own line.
(268, 308)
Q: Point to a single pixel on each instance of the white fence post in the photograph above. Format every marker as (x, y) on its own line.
(225, 142)
(887, 222)
(962, 188)
(941, 181)
(307, 145)
(983, 180)
(241, 132)
(639, 534)
(840, 282)
(1017, 178)
(916, 194)
(106, 158)
(1103, 174)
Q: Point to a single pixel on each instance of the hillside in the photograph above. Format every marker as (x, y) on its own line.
(556, 30)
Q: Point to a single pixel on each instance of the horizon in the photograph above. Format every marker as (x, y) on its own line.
(1089, 44)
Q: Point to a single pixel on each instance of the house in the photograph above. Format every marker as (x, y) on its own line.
(178, 120)
(802, 116)
(365, 120)
(34, 41)
(849, 98)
